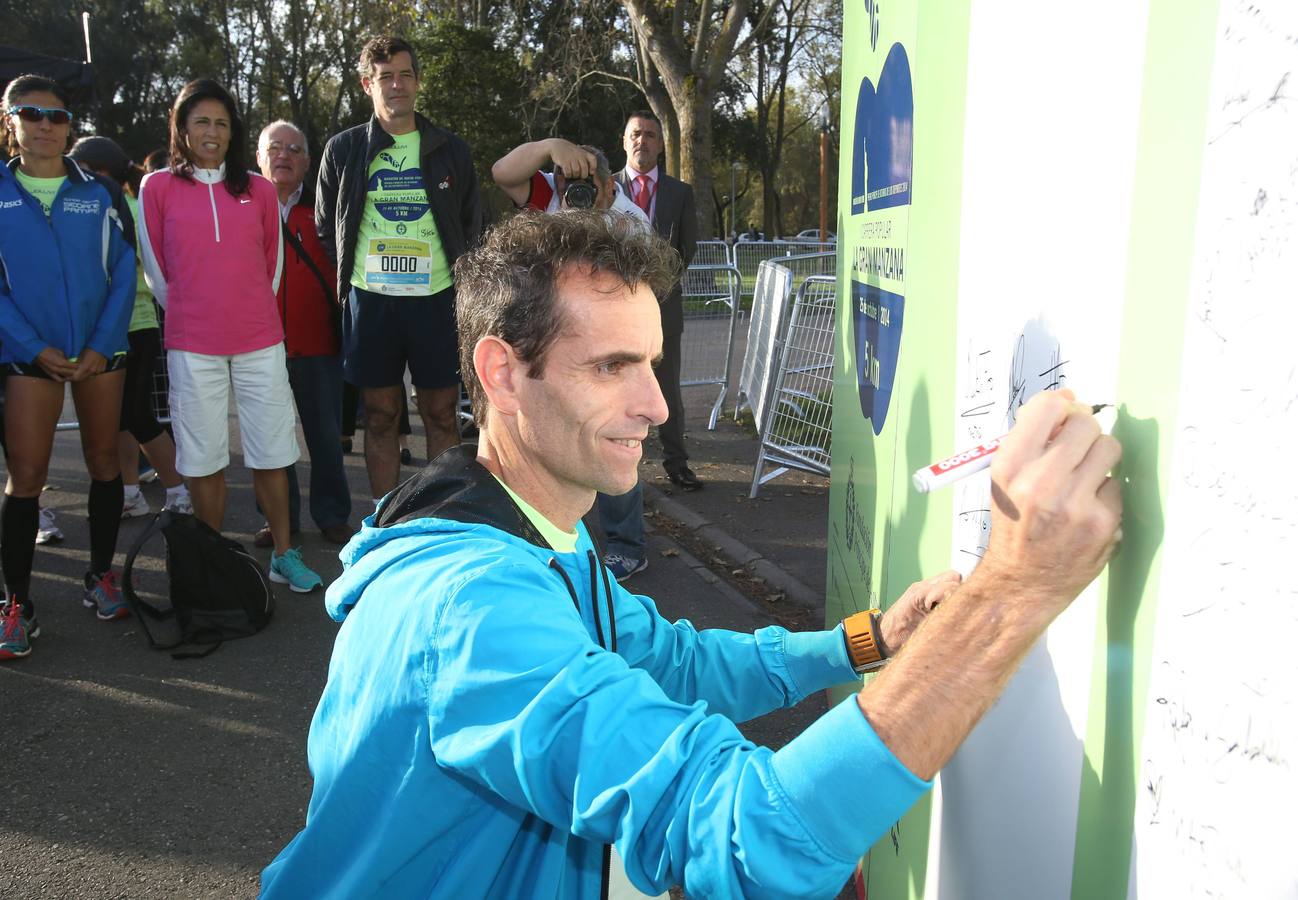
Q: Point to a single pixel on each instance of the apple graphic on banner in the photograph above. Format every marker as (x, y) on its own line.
(882, 147)
(406, 207)
(882, 154)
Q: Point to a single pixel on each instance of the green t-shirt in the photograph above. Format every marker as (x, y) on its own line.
(398, 249)
(43, 189)
(143, 313)
(562, 541)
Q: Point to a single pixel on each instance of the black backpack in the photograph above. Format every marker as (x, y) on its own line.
(218, 590)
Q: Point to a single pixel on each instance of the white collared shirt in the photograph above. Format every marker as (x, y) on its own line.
(632, 175)
(293, 198)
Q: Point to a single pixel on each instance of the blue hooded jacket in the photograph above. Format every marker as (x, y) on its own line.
(67, 281)
(497, 711)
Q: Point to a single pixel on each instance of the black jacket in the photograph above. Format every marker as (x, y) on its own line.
(449, 181)
(674, 220)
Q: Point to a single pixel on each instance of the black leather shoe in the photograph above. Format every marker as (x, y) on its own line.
(338, 534)
(684, 478)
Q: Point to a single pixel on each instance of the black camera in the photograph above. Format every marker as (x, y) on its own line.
(580, 194)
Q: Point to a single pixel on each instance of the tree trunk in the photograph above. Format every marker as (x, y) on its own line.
(660, 104)
(687, 64)
(696, 153)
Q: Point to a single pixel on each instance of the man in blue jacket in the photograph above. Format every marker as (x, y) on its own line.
(499, 710)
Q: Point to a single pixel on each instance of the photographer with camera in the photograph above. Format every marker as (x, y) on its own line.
(581, 179)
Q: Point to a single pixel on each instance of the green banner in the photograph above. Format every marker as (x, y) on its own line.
(899, 212)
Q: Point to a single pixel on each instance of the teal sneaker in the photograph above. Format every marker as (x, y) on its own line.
(105, 597)
(289, 569)
(16, 632)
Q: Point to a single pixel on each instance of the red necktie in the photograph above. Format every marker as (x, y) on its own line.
(645, 196)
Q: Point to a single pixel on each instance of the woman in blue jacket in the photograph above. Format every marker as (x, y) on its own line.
(67, 281)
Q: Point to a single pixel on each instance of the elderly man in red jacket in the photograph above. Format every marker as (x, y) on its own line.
(309, 309)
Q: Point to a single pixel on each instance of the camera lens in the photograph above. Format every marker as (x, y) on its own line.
(579, 195)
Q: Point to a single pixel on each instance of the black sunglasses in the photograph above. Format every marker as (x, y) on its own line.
(57, 115)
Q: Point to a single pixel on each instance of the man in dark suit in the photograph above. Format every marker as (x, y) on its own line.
(669, 203)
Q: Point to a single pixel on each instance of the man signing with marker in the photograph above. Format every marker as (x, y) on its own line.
(499, 710)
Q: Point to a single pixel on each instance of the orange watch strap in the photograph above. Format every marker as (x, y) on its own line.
(863, 644)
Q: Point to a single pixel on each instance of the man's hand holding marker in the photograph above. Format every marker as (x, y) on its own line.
(1055, 518)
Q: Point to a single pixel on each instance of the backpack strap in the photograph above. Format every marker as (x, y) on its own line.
(292, 240)
(144, 611)
(197, 654)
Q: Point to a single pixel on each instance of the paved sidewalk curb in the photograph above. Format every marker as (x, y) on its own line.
(718, 584)
(735, 550)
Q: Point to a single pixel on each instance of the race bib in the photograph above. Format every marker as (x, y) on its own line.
(399, 266)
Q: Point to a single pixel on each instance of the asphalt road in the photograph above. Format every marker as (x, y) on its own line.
(129, 774)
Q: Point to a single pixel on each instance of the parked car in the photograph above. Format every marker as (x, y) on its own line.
(812, 235)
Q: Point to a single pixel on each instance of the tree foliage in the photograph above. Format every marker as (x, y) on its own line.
(734, 82)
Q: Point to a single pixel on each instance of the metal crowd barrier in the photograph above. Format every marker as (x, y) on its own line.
(804, 265)
(770, 295)
(161, 405)
(711, 253)
(710, 297)
(798, 426)
(747, 256)
(776, 281)
(699, 281)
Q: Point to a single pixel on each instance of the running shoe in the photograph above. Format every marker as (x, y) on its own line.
(135, 507)
(180, 504)
(47, 532)
(16, 632)
(623, 567)
(148, 475)
(289, 569)
(105, 597)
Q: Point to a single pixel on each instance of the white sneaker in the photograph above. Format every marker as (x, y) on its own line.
(47, 532)
(181, 504)
(136, 507)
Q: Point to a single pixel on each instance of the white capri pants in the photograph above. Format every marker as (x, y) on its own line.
(200, 408)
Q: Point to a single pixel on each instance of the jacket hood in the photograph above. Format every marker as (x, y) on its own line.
(452, 494)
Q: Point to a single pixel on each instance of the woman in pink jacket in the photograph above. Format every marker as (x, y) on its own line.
(212, 249)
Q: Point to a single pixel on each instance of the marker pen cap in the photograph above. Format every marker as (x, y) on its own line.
(953, 468)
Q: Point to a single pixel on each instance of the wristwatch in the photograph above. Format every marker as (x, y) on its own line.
(864, 639)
